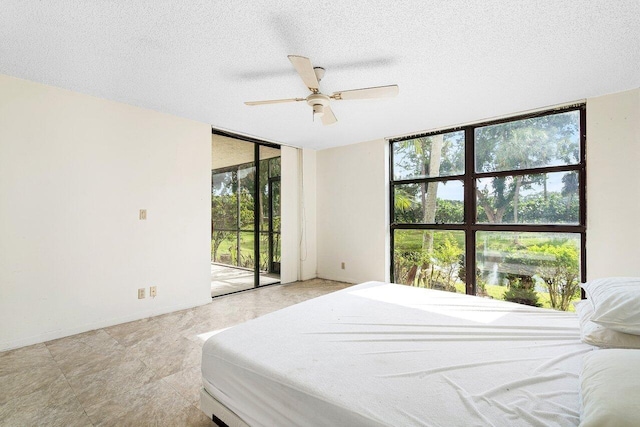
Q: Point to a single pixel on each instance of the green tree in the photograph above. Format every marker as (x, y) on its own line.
(447, 255)
(517, 145)
(224, 216)
(522, 291)
(559, 269)
(430, 156)
(555, 208)
(570, 186)
(449, 211)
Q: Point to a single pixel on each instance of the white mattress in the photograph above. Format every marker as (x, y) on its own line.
(386, 354)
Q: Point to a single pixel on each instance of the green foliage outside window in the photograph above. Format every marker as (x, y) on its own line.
(232, 214)
(530, 268)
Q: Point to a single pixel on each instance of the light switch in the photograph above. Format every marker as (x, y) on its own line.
(143, 214)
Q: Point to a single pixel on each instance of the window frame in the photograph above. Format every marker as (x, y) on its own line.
(470, 177)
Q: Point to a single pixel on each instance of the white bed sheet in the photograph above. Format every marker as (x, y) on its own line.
(386, 354)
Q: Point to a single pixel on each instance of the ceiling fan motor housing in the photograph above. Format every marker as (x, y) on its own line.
(319, 71)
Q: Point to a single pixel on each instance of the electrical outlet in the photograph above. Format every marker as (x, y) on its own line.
(143, 215)
(140, 293)
(153, 291)
(342, 265)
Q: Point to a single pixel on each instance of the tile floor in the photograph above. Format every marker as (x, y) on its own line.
(225, 280)
(142, 373)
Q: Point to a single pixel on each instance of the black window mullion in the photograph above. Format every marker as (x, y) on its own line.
(256, 217)
(582, 179)
(530, 171)
(531, 228)
(470, 212)
(238, 192)
(419, 226)
(392, 192)
(429, 179)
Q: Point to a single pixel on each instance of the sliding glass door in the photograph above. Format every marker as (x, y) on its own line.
(245, 214)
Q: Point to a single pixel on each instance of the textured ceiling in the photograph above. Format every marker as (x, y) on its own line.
(455, 61)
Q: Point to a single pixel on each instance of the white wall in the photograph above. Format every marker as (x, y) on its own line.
(74, 172)
(289, 171)
(613, 185)
(352, 212)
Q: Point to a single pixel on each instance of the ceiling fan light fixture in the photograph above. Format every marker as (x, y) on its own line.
(318, 110)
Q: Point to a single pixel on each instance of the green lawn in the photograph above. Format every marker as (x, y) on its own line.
(497, 292)
(227, 251)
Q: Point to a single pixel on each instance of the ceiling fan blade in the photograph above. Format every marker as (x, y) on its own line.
(367, 93)
(328, 118)
(274, 101)
(305, 69)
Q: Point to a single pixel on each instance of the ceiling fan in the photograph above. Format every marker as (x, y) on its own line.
(311, 77)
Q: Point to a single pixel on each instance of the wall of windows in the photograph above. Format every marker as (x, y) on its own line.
(494, 209)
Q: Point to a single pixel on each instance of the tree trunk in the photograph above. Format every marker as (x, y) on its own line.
(516, 198)
(429, 202)
(516, 201)
(493, 215)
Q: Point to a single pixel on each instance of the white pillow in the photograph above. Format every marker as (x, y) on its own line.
(594, 334)
(616, 303)
(609, 388)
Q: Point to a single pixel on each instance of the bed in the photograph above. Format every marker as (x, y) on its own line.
(380, 354)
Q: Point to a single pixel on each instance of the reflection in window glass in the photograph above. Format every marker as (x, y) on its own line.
(264, 195)
(548, 198)
(276, 206)
(429, 259)
(224, 212)
(429, 202)
(550, 140)
(429, 156)
(224, 247)
(264, 251)
(246, 193)
(246, 255)
(538, 269)
(274, 167)
(224, 216)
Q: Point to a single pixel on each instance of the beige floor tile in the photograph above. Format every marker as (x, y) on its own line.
(24, 358)
(29, 380)
(188, 383)
(52, 405)
(84, 355)
(97, 341)
(130, 333)
(167, 354)
(97, 386)
(190, 416)
(146, 405)
(92, 363)
(179, 320)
